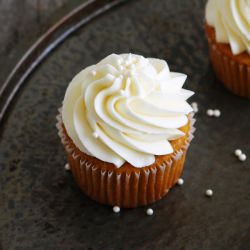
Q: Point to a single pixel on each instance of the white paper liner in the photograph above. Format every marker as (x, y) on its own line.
(125, 189)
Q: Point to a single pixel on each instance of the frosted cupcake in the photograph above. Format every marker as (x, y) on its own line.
(126, 127)
(228, 33)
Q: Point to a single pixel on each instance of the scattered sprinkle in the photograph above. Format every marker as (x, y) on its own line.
(194, 104)
(67, 167)
(95, 134)
(237, 152)
(242, 157)
(93, 72)
(195, 109)
(180, 182)
(150, 211)
(217, 113)
(116, 209)
(210, 112)
(209, 192)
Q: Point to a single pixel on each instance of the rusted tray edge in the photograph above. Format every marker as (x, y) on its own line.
(77, 18)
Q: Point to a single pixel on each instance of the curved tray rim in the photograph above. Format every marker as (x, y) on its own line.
(46, 43)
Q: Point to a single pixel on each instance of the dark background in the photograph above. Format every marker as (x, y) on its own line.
(22, 22)
(40, 205)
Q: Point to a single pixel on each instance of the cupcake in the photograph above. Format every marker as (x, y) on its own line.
(228, 32)
(126, 127)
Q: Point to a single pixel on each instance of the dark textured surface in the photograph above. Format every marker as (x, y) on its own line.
(41, 207)
(18, 30)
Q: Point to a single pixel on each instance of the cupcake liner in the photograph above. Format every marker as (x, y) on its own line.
(234, 75)
(129, 188)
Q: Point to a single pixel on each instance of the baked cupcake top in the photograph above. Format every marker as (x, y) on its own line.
(231, 20)
(126, 108)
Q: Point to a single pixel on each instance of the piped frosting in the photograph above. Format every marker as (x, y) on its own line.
(231, 20)
(126, 108)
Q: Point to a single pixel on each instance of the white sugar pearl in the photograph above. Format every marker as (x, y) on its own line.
(116, 209)
(121, 67)
(237, 152)
(95, 134)
(119, 61)
(66, 166)
(93, 72)
(150, 211)
(242, 157)
(217, 113)
(210, 112)
(127, 62)
(195, 109)
(194, 104)
(209, 192)
(180, 182)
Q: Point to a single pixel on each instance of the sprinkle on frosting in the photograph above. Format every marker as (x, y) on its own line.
(95, 134)
(135, 110)
(231, 20)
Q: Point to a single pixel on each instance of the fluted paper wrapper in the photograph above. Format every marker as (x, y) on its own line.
(234, 75)
(127, 188)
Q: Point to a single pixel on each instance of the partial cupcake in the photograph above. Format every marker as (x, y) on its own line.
(126, 127)
(228, 33)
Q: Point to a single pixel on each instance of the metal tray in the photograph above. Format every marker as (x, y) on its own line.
(40, 205)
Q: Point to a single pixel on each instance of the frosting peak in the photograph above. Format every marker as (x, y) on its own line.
(126, 108)
(231, 20)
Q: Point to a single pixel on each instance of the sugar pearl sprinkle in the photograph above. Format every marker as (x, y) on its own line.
(67, 167)
(209, 192)
(150, 211)
(241, 156)
(180, 182)
(95, 134)
(210, 112)
(195, 107)
(237, 152)
(215, 112)
(116, 209)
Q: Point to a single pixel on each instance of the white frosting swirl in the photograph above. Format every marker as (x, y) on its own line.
(231, 20)
(126, 108)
